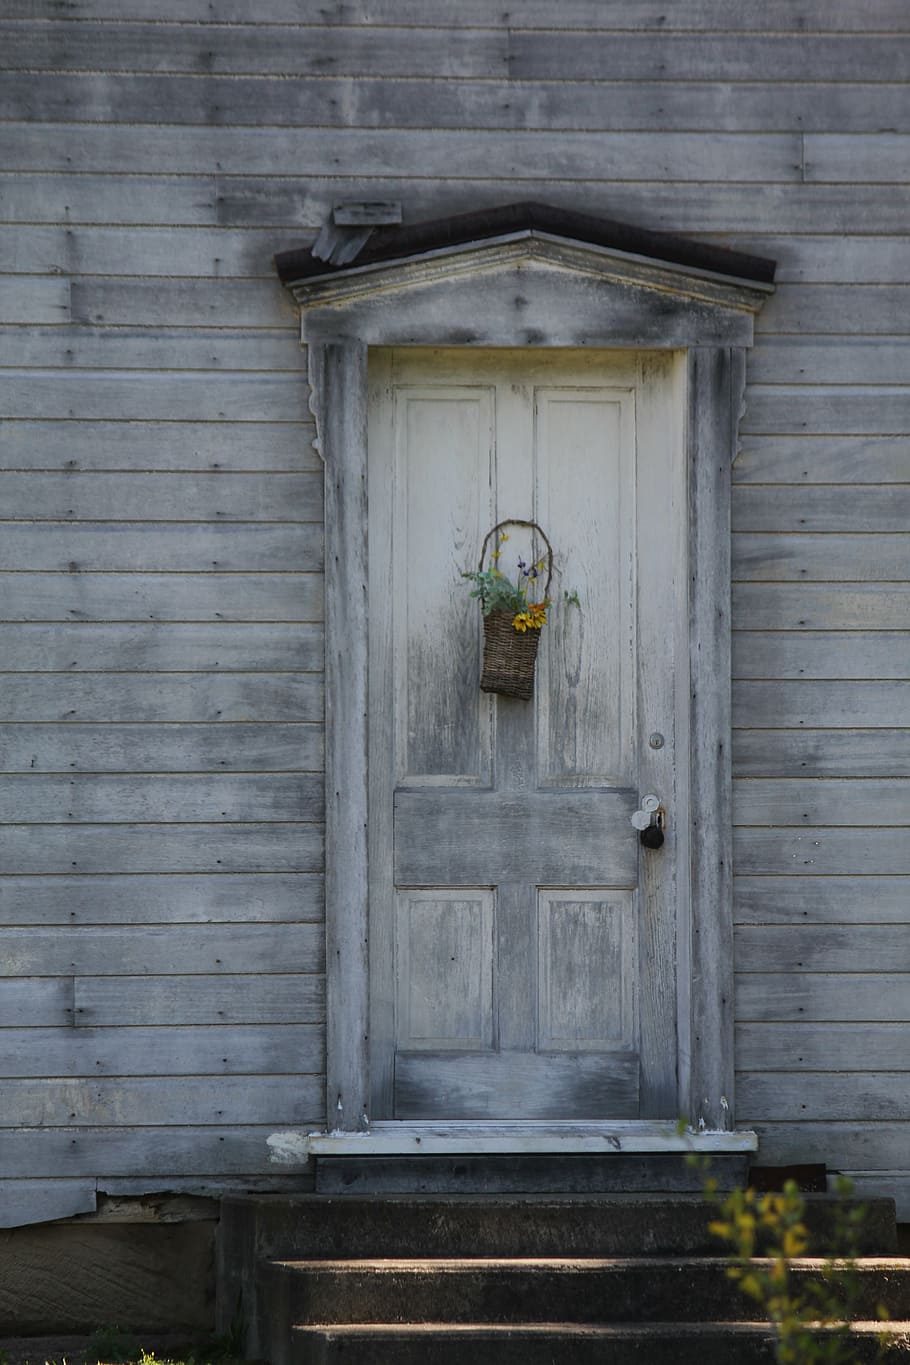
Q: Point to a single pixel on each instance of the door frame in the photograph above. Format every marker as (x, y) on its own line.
(531, 287)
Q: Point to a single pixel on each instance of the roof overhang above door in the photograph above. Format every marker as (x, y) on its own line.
(530, 275)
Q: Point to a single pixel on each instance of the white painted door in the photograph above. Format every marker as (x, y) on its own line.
(522, 942)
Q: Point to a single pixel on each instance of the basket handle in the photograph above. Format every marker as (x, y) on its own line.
(532, 526)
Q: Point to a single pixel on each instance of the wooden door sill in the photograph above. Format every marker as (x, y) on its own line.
(390, 1138)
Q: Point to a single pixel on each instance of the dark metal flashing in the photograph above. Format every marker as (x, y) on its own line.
(401, 242)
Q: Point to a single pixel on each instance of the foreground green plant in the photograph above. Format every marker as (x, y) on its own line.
(765, 1233)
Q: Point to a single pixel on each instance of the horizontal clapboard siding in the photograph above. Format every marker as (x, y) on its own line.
(161, 596)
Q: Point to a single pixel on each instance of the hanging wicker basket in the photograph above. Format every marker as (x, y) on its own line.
(510, 655)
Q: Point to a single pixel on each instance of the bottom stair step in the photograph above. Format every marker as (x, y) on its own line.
(557, 1343)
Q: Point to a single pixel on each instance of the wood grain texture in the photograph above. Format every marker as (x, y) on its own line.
(878, 1096)
(277, 997)
(160, 1101)
(233, 396)
(136, 899)
(115, 444)
(193, 548)
(845, 1145)
(822, 852)
(271, 647)
(161, 848)
(822, 948)
(834, 361)
(263, 151)
(822, 900)
(865, 508)
(823, 1047)
(88, 798)
(119, 950)
(211, 596)
(862, 654)
(734, 16)
(835, 705)
(163, 1051)
(822, 801)
(538, 1085)
(161, 497)
(149, 697)
(39, 300)
(206, 350)
(152, 747)
(36, 1002)
(371, 102)
(821, 606)
(776, 997)
(802, 558)
(37, 1201)
(231, 1148)
(821, 753)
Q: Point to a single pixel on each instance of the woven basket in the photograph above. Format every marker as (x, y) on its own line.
(510, 655)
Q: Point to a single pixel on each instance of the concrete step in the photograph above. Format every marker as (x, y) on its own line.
(579, 1290)
(564, 1343)
(312, 1226)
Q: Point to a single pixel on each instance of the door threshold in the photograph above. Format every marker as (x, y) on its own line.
(630, 1136)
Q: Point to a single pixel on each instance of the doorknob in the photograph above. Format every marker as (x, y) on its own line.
(649, 820)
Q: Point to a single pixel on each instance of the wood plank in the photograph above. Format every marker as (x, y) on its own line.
(592, 56)
(840, 410)
(879, 508)
(161, 597)
(158, 647)
(173, 1151)
(72, 249)
(161, 848)
(180, 303)
(822, 1047)
(216, 496)
(153, 950)
(878, 997)
(235, 396)
(844, 557)
(827, 360)
(452, 836)
(536, 1085)
(187, 798)
(130, 1001)
(819, 654)
(875, 309)
(368, 102)
(270, 151)
(822, 852)
(818, 606)
(39, 1201)
(171, 747)
(841, 1146)
(131, 899)
(194, 548)
(231, 447)
(833, 705)
(857, 259)
(291, 1049)
(822, 801)
(151, 697)
(821, 753)
(154, 1101)
(854, 1095)
(256, 49)
(39, 300)
(36, 1002)
(825, 16)
(822, 948)
(883, 1184)
(846, 157)
(164, 349)
(264, 201)
(822, 900)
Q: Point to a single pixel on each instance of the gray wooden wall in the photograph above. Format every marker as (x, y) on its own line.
(161, 549)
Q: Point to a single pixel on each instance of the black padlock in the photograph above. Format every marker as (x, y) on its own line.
(652, 837)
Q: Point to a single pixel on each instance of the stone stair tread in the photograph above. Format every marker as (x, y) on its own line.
(453, 1264)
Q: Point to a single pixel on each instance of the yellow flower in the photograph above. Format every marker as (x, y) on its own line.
(522, 621)
(503, 535)
(537, 613)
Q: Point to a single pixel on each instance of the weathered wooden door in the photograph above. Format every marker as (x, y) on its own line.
(522, 942)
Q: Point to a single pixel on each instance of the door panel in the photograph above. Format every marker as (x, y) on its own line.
(522, 944)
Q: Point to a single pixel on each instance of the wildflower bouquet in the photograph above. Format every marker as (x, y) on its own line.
(511, 618)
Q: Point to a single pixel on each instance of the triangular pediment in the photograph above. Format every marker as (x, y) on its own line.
(529, 274)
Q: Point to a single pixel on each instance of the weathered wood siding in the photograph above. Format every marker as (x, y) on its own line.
(160, 562)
